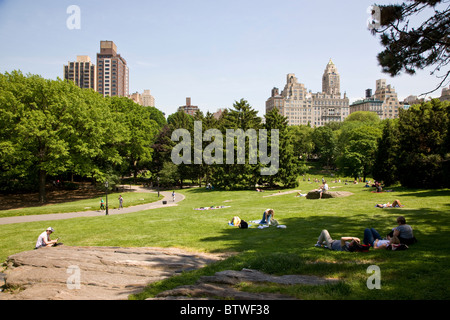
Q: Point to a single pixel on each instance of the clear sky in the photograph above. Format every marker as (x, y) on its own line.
(214, 51)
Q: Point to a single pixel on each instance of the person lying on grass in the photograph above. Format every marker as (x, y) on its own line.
(344, 244)
(373, 238)
(395, 204)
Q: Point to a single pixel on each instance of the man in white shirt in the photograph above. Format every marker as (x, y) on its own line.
(323, 189)
(44, 239)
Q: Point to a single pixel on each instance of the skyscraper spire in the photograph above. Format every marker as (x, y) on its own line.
(331, 79)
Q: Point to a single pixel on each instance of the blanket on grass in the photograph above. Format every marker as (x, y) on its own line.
(212, 208)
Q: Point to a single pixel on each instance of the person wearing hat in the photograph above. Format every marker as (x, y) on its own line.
(44, 239)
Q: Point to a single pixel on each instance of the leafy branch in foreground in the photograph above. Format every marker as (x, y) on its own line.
(409, 48)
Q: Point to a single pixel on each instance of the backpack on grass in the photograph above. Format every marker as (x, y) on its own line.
(243, 224)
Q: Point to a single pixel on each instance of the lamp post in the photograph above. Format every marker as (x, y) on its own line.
(106, 186)
(158, 186)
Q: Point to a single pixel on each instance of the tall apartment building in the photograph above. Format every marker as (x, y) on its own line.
(82, 72)
(145, 99)
(188, 108)
(384, 102)
(302, 107)
(112, 71)
(445, 95)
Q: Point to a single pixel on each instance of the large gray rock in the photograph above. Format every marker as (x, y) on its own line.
(328, 194)
(221, 285)
(104, 273)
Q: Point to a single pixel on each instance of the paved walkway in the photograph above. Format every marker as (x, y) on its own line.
(60, 216)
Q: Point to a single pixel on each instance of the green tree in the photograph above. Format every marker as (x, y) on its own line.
(238, 176)
(162, 149)
(53, 127)
(325, 141)
(301, 139)
(182, 120)
(363, 116)
(358, 152)
(386, 156)
(289, 164)
(140, 128)
(424, 153)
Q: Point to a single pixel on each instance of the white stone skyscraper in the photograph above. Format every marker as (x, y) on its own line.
(302, 107)
(331, 83)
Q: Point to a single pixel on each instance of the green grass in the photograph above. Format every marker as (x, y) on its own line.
(130, 199)
(422, 272)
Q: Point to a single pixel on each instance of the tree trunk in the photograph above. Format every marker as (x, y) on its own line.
(42, 181)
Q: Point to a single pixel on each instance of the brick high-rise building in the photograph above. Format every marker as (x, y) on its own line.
(112, 71)
(188, 108)
(82, 72)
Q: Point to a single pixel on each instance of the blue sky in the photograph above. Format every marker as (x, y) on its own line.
(214, 51)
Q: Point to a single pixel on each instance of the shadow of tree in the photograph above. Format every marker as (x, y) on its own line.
(286, 251)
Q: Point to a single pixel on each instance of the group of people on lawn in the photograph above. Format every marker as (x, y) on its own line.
(401, 235)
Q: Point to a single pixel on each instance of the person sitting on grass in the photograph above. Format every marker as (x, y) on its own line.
(44, 239)
(267, 215)
(377, 186)
(404, 232)
(373, 238)
(395, 204)
(344, 244)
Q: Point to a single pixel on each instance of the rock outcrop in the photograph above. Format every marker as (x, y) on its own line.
(113, 273)
(221, 286)
(93, 273)
(328, 194)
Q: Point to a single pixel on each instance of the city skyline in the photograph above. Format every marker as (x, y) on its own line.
(214, 52)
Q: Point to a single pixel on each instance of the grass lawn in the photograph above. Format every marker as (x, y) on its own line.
(130, 199)
(422, 272)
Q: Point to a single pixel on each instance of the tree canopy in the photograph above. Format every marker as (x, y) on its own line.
(52, 127)
(409, 47)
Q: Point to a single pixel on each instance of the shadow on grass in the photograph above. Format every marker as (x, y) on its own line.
(417, 273)
(429, 193)
(428, 224)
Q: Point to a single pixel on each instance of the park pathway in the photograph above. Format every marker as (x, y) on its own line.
(167, 197)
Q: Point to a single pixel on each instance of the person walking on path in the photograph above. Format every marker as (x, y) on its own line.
(69, 215)
(120, 202)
